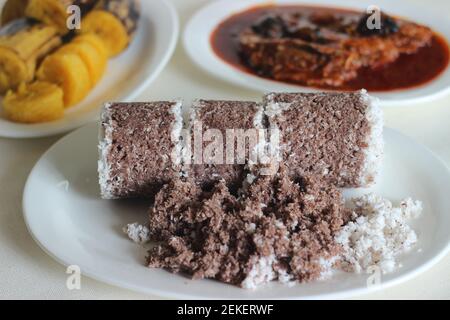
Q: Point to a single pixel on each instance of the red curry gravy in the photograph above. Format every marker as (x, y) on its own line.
(409, 70)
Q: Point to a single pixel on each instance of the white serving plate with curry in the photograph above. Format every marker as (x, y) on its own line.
(408, 80)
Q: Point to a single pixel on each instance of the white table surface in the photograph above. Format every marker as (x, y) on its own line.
(26, 272)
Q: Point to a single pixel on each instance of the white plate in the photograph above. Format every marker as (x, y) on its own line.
(198, 31)
(71, 223)
(127, 75)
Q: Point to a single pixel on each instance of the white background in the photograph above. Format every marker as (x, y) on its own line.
(26, 272)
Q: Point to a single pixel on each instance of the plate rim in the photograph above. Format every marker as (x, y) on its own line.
(91, 115)
(161, 293)
(245, 80)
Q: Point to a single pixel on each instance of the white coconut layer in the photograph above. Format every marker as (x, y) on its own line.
(257, 150)
(262, 272)
(104, 146)
(379, 234)
(187, 152)
(373, 154)
(176, 133)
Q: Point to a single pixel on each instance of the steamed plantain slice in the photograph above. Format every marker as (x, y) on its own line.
(108, 28)
(93, 40)
(114, 21)
(128, 12)
(68, 71)
(92, 58)
(23, 44)
(13, 70)
(34, 102)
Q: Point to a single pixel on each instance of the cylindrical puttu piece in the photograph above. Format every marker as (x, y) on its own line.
(337, 136)
(139, 149)
(232, 127)
(334, 135)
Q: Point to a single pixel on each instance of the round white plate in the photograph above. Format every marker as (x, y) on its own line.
(126, 77)
(67, 218)
(199, 29)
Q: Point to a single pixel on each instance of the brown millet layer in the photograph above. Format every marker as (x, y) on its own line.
(213, 234)
(222, 115)
(323, 134)
(141, 136)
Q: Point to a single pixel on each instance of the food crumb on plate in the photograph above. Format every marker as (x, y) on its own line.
(137, 233)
